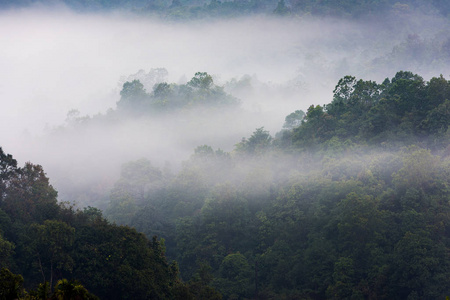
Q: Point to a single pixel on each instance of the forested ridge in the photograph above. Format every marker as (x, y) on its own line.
(207, 9)
(349, 201)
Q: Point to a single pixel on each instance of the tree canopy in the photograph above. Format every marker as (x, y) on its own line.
(349, 201)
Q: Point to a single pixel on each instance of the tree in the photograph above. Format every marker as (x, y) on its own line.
(201, 80)
(344, 280)
(117, 262)
(6, 249)
(379, 120)
(42, 292)
(72, 290)
(133, 97)
(410, 89)
(8, 166)
(258, 143)
(30, 196)
(225, 215)
(436, 125)
(199, 285)
(294, 119)
(359, 225)
(235, 276)
(136, 182)
(162, 93)
(201, 90)
(342, 92)
(54, 240)
(418, 266)
(317, 126)
(11, 285)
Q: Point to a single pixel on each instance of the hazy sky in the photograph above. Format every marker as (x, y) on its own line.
(52, 61)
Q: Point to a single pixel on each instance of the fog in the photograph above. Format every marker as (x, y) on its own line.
(55, 60)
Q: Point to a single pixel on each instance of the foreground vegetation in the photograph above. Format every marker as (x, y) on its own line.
(46, 242)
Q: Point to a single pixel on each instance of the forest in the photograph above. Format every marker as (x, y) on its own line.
(236, 150)
(350, 200)
(207, 9)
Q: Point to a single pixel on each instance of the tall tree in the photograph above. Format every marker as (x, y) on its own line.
(53, 244)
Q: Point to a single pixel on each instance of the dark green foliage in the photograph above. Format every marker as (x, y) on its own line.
(6, 250)
(11, 285)
(52, 244)
(235, 277)
(71, 290)
(29, 195)
(401, 111)
(7, 165)
(119, 263)
(199, 284)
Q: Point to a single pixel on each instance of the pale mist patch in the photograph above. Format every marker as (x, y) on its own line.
(53, 61)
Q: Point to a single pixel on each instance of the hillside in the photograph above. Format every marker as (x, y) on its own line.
(349, 200)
